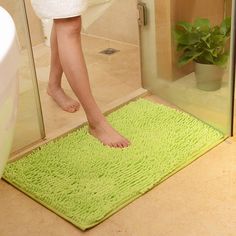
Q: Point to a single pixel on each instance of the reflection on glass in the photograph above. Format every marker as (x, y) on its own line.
(186, 59)
(29, 126)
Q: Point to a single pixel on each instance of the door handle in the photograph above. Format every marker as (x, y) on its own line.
(142, 9)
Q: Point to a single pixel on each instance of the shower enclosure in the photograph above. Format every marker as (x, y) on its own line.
(160, 72)
(177, 84)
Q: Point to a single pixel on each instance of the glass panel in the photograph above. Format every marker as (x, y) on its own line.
(197, 87)
(111, 50)
(29, 126)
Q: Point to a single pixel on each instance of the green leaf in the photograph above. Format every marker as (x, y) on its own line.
(213, 52)
(215, 30)
(218, 39)
(226, 26)
(188, 57)
(202, 42)
(205, 39)
(185, 25)
(209, 58)
(181, 47)
(178, 34)
(222, 59)
(189, 38)
(202, 24)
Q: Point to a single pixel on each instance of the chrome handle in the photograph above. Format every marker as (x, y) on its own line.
(142, 8)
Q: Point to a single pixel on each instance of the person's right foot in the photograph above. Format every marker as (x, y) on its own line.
(107, 135)
(63, 100)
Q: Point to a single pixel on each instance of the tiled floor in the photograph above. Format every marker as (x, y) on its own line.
(111, 77)
(210, 106)
(199, 200)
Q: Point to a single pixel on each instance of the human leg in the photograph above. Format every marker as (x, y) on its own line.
(74, 67)
(54, 85)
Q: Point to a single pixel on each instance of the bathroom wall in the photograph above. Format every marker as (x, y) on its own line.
(119, 22)
(228, 6)
(168, 13)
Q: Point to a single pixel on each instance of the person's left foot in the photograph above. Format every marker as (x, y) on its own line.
(63, 100)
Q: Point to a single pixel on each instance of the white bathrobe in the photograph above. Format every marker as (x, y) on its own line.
(54, 9)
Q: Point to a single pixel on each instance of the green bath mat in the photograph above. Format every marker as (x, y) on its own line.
(85, 182)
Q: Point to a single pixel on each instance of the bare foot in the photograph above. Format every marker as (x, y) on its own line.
(108, 136)
(63, 100)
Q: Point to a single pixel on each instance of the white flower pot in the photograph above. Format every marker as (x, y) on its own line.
(208, 77)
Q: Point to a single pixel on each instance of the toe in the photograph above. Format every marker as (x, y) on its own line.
(126, 143)
(76, 104)
(120, 145)
(115, 145)
(125, 140)
(74, 107)
(108, 144)
(77, 107)
(71, 109)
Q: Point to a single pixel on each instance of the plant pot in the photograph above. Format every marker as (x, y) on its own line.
(209, 77)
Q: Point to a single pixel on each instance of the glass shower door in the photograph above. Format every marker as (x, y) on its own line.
(168, 76)
(29, 125)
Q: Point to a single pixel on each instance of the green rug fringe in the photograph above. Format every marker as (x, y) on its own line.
(85, 182)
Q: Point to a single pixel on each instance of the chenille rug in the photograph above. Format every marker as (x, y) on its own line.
(85, 182)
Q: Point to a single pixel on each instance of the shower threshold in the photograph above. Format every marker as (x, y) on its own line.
(110, 107)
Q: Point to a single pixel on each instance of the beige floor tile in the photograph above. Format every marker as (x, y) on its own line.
(198, 200)
(111, 77)
(27, 120)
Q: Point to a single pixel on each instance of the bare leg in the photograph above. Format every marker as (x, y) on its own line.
(73, 64)
(54, 85)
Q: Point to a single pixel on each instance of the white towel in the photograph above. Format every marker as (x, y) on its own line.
(54, 9)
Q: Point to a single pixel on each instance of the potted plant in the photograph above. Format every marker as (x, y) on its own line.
(206, 45)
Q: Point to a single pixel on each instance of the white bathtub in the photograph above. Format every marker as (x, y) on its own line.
(9, 58)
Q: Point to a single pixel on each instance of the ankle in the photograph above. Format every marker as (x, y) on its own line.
(96, 122)
(53, 87)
